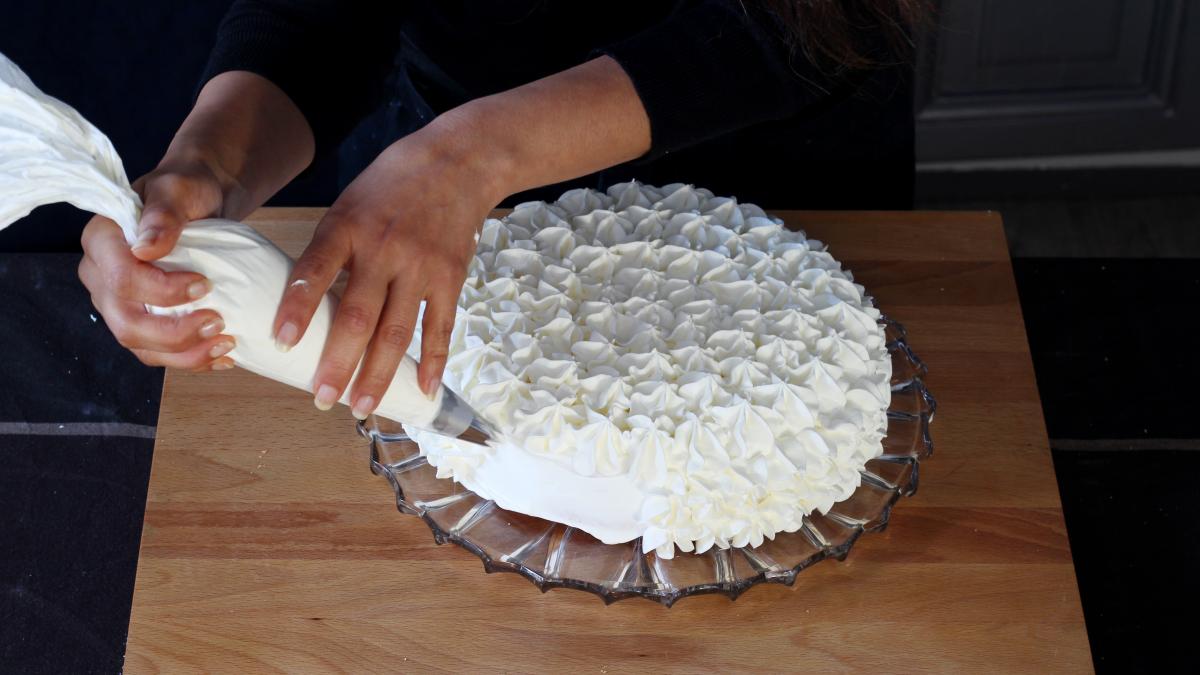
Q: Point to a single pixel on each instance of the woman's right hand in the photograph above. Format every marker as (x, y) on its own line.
(122, 281)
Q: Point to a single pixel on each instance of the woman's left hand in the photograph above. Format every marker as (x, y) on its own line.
(405, 230)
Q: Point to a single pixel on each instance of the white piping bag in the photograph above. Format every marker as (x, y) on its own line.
(50, 153)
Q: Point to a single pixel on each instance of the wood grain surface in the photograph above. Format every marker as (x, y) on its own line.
(269, 546)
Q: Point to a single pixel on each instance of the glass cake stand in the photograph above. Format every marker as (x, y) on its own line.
(553, 555)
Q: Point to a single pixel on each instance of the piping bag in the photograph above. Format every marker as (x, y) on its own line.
(50, 153)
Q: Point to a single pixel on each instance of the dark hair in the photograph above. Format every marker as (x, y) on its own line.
(842, 35)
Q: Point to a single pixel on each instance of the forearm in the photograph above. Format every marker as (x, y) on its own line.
(567, 125)
(250, 134)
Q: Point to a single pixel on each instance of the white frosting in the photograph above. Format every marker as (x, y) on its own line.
(667, 364)
(50, 153)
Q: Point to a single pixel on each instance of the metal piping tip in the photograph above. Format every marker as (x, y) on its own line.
(457, 420)
(480, 433)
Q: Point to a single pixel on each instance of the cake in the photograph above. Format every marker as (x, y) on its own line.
(665, 364)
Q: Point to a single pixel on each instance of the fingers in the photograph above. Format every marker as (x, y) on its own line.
(313, 274)
(387, 347)
(173, 198)
(134, 328)
(122, 282)
(111, 265)
(199, 358)
(353, 325)
(121, 286)
(158, 230)
(440, 307)
(166, 199)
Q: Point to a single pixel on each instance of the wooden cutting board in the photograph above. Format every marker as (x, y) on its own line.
(269, 545)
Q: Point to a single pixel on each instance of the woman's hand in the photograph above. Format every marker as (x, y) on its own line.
(405, 230)
(122, 281)
(243, 140)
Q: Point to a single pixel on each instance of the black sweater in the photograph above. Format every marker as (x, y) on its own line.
(719, 82)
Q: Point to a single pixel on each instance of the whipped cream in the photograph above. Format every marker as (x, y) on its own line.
(667, 365)
(50, 153)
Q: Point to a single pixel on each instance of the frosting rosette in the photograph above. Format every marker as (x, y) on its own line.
(665, 364)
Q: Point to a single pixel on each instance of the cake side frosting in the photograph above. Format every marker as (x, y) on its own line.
(667, 364)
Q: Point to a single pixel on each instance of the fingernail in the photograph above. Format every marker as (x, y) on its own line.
(222, 365)
(199, 289)
(325, 398)
(212, 328)
(147, 238)
(285, 339)
(220, 349)
(434, 385)
(363, 407)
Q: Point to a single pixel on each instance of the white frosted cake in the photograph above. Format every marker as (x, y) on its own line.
(666, 364)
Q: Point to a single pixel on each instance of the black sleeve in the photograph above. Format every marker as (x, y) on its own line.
(331, 57)
(716, 67)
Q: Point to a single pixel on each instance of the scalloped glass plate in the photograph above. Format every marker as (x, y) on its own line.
(553, 555)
